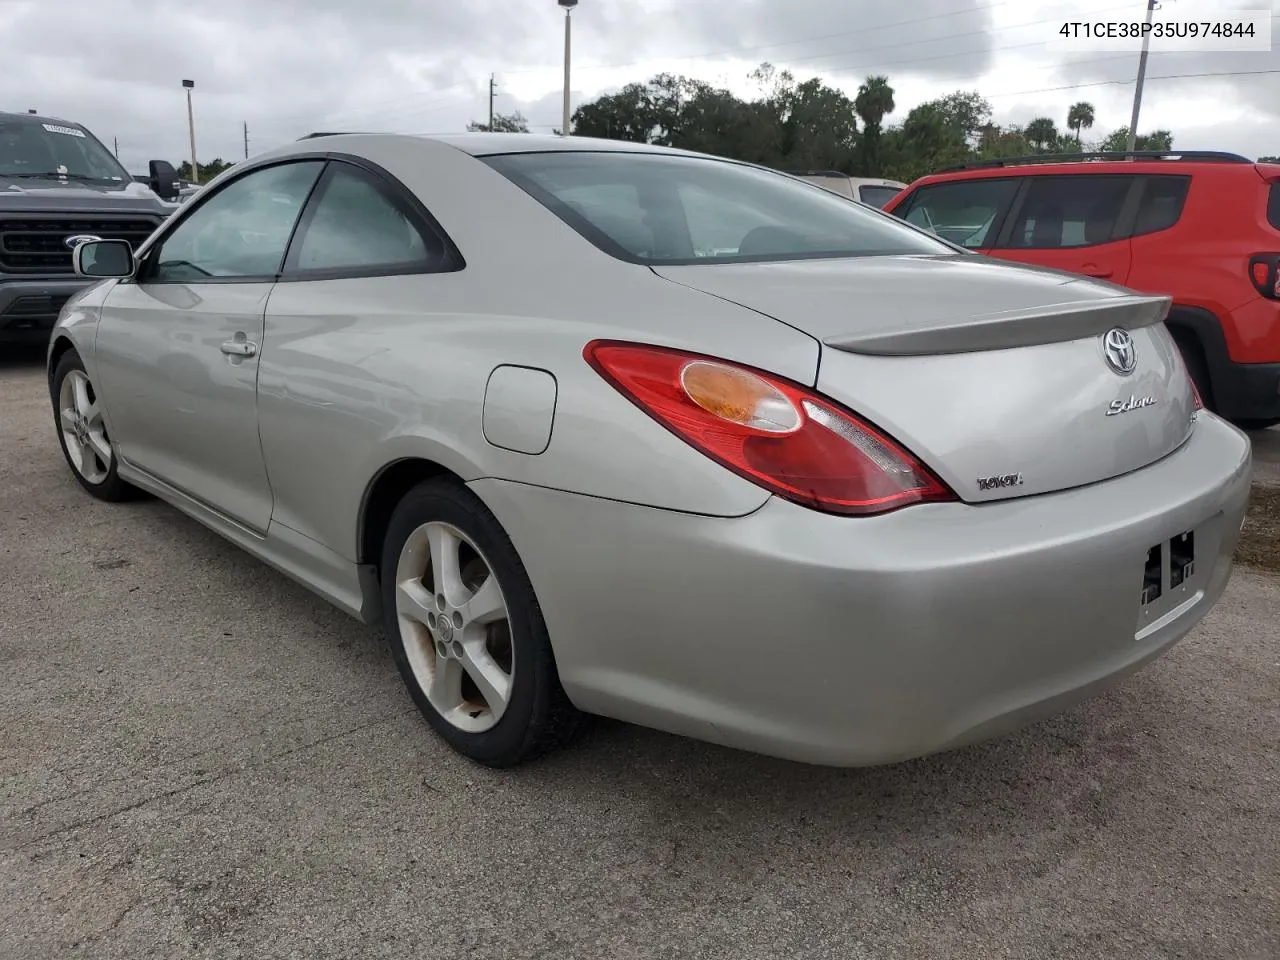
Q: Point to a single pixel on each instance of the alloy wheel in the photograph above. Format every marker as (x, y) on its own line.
(83, 430)
(455, 627)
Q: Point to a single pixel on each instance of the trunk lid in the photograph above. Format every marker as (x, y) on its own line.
(996, 375)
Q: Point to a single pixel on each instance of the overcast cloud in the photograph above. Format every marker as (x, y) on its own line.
(290, 67)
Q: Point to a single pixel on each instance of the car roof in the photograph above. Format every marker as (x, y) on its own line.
(37, 118)
(1169, 161)
(489, 144)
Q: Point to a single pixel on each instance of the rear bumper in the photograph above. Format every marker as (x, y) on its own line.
(30, 307)
(855, 641)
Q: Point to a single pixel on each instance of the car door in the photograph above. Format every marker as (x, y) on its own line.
(1073, 222)
(178, 346)
(369, 273)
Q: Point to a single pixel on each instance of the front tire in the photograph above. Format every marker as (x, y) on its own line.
(82, 432)
(466, 631)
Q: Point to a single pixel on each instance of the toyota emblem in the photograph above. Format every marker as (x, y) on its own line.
(1120, 352)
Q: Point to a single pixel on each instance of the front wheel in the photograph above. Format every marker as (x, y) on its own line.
(82, 432)
(466, 631)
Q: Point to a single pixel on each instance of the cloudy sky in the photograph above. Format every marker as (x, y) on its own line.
(289, 67)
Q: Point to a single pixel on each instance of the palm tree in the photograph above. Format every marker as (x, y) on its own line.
(1042, 134)
(1080, 117)
(873, 103)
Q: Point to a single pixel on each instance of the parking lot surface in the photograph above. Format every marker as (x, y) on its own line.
(199, 759)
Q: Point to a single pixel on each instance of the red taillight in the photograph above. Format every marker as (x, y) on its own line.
(1264, 271)
(780, 435)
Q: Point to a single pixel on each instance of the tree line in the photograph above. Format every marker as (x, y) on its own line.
(809, 125)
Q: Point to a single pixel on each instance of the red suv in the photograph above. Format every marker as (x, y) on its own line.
(1200, 227)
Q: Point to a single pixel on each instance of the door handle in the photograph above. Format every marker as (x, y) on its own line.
(1092, 271)
(239, 348)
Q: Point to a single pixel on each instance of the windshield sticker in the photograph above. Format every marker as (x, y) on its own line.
(69, 131)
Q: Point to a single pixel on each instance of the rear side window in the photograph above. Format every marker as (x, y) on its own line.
(1273, 206)
(1161, 204)
(655, 208)
(1070, 211)
(962, 211)
(355, 225)
(877, 196)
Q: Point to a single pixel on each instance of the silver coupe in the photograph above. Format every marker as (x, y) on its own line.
(592, 427)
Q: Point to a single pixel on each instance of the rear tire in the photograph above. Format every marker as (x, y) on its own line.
(1257, 424)
(466, 631)
(82, 433)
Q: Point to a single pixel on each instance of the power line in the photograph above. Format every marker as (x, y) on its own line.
(1095, 83)
(728, 51)
(817, 38)
(1126, 82)
(402, 109)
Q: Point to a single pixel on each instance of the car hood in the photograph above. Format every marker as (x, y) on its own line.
(23, 194)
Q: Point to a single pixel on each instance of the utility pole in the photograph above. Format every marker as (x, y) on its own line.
(115, 146)
(492, 93)
(191, 125)
(246, 140)
(568, 9)
(1142, 75)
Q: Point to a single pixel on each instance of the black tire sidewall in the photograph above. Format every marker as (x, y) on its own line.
(535, 683)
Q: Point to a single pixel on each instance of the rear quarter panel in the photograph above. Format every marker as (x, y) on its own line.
(357, 374)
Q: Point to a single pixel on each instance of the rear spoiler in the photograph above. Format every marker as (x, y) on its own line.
(1055, 323)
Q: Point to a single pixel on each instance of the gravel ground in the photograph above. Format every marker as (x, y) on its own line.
(198, 759)
(1266, 456)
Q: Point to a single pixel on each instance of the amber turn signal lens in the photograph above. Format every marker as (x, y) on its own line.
(739, 396)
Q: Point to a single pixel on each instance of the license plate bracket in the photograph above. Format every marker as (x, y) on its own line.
(1169, 568)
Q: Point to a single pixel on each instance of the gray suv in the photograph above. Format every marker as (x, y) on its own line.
(58, 186)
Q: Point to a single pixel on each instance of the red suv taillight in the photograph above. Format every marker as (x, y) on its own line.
(778, 434)
(1264, 271)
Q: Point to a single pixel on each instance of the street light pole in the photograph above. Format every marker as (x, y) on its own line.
(568, 9)
(1142, 75)
(191, 127)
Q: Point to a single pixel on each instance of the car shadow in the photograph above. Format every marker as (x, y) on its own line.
(22, 356)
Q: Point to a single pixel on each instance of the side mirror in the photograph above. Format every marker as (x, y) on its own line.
(103, 259)
(163, 179)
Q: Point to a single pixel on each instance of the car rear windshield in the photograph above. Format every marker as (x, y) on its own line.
(662, 209)
(1273, 206)
(877, 196)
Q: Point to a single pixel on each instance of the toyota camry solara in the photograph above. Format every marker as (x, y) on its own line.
(598, 428)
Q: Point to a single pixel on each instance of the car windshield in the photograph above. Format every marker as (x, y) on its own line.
(665, 209)
(39, 148)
